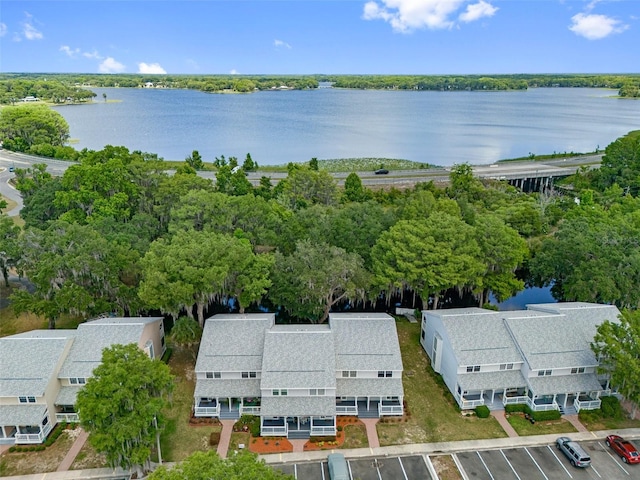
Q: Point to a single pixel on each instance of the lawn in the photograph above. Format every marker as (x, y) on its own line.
(594, 421)
(27, 463)
(355, 436)
(524, 427)
(433, 415)
(179, 439)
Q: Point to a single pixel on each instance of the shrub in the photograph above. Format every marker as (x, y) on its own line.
(12, 449)
(214, 439)
(515, 407)
(482, 411)
(611, 408)
(167, 355)
(544, 416)
(340, 428)
(253, 422)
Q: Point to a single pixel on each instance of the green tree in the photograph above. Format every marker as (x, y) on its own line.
(242, 465)
(193, 268)
(315, 277)
(353, 189)
(122, 403)
(9, 246)
(27, 125)
(313, 164)
(195, 160)
(304, 187)
(249, 165)
(617, 345)
(621, 163)
(427, 257)
(75, 270)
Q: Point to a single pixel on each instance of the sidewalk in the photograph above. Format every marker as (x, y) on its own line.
(225, 437)
(448, 447)
(71, 455)
(372, 432)
(504, 423)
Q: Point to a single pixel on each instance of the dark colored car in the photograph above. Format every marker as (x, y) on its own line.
(381, 171)
(627, 450)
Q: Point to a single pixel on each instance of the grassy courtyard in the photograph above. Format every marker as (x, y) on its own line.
(433, 415)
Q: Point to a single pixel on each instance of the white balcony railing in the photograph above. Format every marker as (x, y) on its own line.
(67, 417)
(391, 410)
(245, 410)
(274, 431)
(34, 437)
(346, 409)
(514, 400)
(323, 431)
(468, 404)
(206, 411)
(542, 407)
(586, 404)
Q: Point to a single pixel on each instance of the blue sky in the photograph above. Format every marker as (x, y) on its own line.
(306, 37)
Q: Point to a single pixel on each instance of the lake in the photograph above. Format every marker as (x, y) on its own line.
(277, 127)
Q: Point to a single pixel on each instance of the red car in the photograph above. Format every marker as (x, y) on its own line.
(624, 448)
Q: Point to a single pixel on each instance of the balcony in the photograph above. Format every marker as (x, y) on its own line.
(67, 417)
(276, 431)
(250, 410)
(31, 436)
(391, 408)
(542, 406)
(323, 431)
(586, 403)
(514, 400)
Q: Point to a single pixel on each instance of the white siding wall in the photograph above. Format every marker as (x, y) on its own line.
(449, 363)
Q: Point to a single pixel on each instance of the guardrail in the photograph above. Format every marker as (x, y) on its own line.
(391, 410)
(205, 411)
(67, 417)
(276, 431)
(346, 410)
(586, 404)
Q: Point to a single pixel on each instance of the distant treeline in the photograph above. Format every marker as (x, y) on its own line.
(75, 88)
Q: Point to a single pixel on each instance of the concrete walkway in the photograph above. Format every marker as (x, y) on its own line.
(448, 447)
(504, 423)
(225, 437)
(372, 432)
(298, 445)
(71, 455)
(575, 421)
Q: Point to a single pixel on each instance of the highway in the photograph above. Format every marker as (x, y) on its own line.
(399, 178)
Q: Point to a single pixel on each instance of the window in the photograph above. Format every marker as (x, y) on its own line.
(577, 370)
(275, 393)
(217, 375)
(81, 381)
(422, 334)
(27, 399)
(22, 399)
(77, 381)
(212, 374)
(506, 366)
(544, 373)
(282, 392)
(473, 368)
(209, 374)
(245, 374)
(253, 374)
(73, 381)
(316, 391)
(348, 374)
(385, 373)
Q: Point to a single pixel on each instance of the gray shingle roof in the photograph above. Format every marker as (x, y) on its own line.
(28, 361)
(297, 406)
(563, 339)
(492, 380)
(211, 388)
(233, 343)
(299, 356)
(94, 336)
(369, 387)
(366, 341)
(22, 415)
(67, 395)
(565, 384)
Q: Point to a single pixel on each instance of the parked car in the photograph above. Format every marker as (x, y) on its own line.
(381, 171)
(574, 452)
(338, 468)
(627, 450)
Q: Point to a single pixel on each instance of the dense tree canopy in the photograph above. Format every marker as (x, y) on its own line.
(617, 345)
(26, 125)
(121, 404)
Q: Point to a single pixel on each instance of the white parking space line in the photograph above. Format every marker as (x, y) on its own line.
(460, 467)
(594, 469)
(375, 462)
(485, 466)
(322, 469)
(402, 467)
(348, 465)
(432, 470)
(606, 450)
(534, 461)
(295, 470)
(561, 464)
(510, 466)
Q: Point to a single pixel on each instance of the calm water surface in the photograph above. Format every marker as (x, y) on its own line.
(441, 128)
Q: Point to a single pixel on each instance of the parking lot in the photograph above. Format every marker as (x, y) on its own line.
(544, 463)
(412, 467)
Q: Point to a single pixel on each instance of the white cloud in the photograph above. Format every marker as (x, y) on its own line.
(70, 51)
(477, 11)
(110, 65)
(93, 54)
(154, 68)
(408, 15)
(3, 29)
(28, 30)
(234, 71)
(280, 43)
(595, 27)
